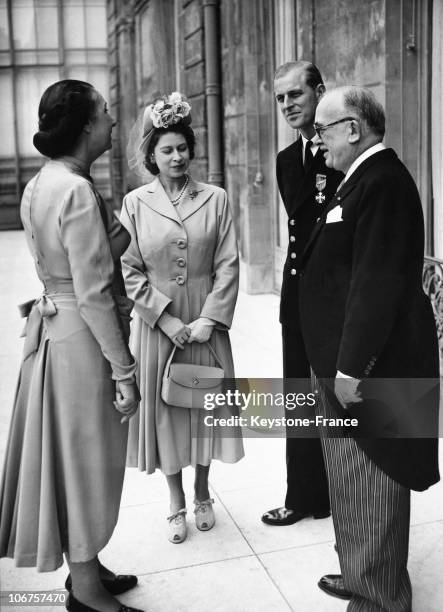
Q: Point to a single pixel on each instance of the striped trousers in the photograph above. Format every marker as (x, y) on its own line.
(371, 514)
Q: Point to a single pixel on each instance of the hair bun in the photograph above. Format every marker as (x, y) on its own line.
(46, 144)
(65, 107)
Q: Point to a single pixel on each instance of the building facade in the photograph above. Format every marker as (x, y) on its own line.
(222, 54)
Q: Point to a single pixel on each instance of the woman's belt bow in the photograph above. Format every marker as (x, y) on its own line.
(35, 311)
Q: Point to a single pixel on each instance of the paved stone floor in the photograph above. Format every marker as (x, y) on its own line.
(241, 565)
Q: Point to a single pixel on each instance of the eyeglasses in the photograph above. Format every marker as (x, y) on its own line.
(319, 129)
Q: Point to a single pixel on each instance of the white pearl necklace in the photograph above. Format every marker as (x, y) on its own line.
(178, 198)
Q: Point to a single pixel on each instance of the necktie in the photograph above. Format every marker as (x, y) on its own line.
(308, 155)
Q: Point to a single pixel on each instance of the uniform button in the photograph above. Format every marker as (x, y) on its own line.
(181, 262)
(291, 222)
(293, 271)
(181, 243)
(293, 255)
(292, 239)
(338, 198)
(180, 280)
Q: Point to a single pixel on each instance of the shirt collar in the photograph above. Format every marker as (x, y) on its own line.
(314, 148)
(361, 158)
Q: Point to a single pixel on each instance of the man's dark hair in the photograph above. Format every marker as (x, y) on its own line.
(313, 76)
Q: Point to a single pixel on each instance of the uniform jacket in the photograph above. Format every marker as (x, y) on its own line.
(362, 305)
(298, 191)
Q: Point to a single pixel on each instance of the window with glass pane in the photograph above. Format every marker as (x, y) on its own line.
(7, 115)
(46, 23)
(95, 17)
(30, 84)
(74, 25)
(24, 24)
(49, 40)
(4, 28)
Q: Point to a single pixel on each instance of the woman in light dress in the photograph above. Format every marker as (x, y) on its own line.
(63, 474)
(181, 270)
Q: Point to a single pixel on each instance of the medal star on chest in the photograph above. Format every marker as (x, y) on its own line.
(320, 184)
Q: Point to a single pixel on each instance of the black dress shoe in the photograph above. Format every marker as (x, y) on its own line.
(332, 584)
(285, 516)
(74, 605)
(116, 586)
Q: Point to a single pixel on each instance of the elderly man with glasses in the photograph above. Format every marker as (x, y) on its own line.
(367, 326)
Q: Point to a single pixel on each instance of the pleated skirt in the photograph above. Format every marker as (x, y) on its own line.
(64, 465)
(168, 437)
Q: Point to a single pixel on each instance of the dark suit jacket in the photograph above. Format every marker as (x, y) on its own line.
(363, 309)
(298, 191)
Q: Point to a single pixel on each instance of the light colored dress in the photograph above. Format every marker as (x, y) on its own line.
(183, 259)
(65, 458)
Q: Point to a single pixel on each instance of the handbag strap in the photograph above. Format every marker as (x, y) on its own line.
(174, 348)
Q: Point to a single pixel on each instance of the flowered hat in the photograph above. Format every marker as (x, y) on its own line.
(162, 113)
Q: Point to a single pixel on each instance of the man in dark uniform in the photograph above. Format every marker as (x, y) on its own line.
(306, 185)
(369, 327)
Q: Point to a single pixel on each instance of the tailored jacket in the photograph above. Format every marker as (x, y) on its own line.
(298, 190)
(364, 312)
(188, 263)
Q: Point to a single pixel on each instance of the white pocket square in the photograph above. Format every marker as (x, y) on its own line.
(334, 215)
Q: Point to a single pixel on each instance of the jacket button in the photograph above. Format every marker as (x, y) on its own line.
(293, 271)
(291, 222)
(181, 243)
(181, 262)
(293, 255)
(180, 280)
(292, 239)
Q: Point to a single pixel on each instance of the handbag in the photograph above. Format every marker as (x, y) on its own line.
(185, 385)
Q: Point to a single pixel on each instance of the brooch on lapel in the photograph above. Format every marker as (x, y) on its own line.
(193, 194)
(320, 183)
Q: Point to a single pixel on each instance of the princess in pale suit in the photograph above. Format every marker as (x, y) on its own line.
(181, 270)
